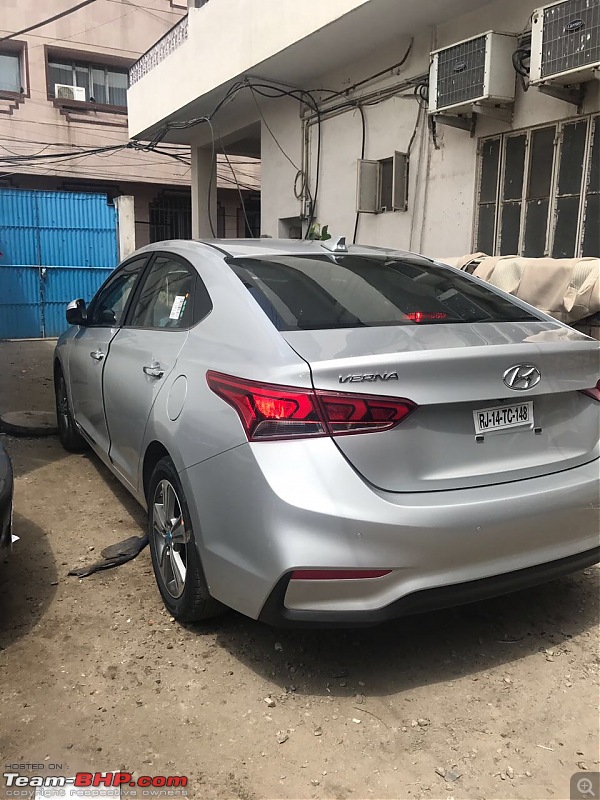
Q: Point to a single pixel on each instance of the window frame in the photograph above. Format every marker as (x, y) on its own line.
(200, 292)
(18, 49)
(592, 119)
(89, 61)
(111, 278)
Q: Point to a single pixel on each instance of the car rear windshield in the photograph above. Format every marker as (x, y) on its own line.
(316, 292)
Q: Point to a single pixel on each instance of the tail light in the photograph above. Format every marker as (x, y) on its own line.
(268, 411)
(425, 316)
(594, 393)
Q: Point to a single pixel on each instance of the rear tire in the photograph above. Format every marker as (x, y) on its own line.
(175, 559)
(69, 436)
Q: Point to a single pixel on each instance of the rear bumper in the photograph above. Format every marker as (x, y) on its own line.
(261, 511)
(275, 612)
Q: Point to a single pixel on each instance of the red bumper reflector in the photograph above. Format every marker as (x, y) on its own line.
(337, 574)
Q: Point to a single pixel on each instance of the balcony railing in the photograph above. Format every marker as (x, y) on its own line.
(163, 48)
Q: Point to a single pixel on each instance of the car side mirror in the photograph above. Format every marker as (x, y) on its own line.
(77, 312)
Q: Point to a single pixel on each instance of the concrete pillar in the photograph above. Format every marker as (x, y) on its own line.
(204, 208)
(125, 205)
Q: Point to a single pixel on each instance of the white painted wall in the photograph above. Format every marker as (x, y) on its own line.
(440, 217)
(252, 37)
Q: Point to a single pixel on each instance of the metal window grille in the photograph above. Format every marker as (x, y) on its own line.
(539, 190)
(170, 218)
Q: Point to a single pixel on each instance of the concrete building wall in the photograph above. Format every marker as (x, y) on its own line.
(442, 178)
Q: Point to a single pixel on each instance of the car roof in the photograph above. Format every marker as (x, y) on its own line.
(236, 248)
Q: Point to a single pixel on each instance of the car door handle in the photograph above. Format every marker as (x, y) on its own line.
(154, 370)
(97, 355)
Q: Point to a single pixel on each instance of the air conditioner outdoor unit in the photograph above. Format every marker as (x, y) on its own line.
(477, 70)
(65, 92)
(565, 42)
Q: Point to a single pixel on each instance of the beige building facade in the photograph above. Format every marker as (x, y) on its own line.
(63, 95)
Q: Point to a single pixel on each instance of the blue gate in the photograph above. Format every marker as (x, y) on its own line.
(54, 246)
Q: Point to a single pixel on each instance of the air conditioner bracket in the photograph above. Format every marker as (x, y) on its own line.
(575, 96)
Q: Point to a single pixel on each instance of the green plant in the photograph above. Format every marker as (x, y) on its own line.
(318, 232)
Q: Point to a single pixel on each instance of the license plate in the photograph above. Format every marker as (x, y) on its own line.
(503, 418)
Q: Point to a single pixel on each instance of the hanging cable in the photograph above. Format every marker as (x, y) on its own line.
(47, 21)
(363, 146)
(248, 227)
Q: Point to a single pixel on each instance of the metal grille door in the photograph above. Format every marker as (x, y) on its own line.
(54, 246)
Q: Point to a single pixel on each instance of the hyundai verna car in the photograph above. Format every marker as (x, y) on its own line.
(334, 436)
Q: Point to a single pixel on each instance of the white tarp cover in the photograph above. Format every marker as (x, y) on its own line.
(566, 288)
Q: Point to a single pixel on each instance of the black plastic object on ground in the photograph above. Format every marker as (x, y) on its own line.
(114, 556)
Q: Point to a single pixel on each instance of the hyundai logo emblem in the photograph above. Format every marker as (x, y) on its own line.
(522, 377)
(575, 25)
(460, 67)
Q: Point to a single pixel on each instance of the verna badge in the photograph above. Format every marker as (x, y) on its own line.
(370, 377)
(522, 377)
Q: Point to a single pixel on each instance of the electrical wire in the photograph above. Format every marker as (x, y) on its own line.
(363, 146)
(47, 21)
(400, 64)
(268, 127)
(210, 180)
(414, 133)
(249, 228)
(263, 89)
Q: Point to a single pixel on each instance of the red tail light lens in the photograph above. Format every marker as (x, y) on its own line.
(594, 393)
(268, 411)
(351, 413)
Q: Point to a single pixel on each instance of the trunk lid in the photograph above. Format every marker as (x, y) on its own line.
(451, 371)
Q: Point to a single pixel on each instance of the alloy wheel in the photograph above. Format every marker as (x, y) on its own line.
(63, 404)
(170, 538)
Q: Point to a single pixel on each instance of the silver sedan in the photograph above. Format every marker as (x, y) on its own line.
(334, 436)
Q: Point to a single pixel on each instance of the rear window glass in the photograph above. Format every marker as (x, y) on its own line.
(351, 291)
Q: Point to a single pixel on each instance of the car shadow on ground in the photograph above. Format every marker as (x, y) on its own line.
(120, 493)
(28, 581)
(422, 649)
(28, 453)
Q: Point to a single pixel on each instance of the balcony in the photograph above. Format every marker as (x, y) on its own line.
(172, 39)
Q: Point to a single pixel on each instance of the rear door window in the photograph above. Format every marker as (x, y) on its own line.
(350, 291)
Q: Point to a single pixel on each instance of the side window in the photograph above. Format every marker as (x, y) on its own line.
(108, 306)
(166, 298)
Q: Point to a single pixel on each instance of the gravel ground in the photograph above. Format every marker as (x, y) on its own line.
(493, 700)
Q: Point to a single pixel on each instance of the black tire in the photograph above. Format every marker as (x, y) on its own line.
(69, 436)
(190, 602)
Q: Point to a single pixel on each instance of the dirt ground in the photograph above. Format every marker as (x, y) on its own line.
(95, 676)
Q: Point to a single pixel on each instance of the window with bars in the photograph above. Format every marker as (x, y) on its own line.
(171, 217)
(102, 85)
(539, 191)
